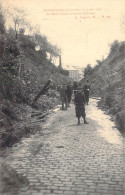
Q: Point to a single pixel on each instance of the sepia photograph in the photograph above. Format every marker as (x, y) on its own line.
(62, 97)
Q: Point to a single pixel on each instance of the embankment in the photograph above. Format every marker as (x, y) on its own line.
(107, 80)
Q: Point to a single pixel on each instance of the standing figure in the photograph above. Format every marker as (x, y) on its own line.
(86, 91)
(63, 97)
(79, 102)
(69, 93)
(75, 86)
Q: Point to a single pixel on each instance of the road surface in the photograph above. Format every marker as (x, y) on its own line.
(64, 158)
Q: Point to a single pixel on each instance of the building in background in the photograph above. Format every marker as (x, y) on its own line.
(74, 75)
(75, 72)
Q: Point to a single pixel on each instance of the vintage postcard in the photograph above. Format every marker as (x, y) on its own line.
(62, 97)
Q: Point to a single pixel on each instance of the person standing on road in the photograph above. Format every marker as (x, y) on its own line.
(75, 86)
(69, 93)
(63, 97)
(86, 91)
(79, 102)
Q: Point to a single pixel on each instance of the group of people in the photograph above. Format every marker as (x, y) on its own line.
(79, 95)
(65, 95)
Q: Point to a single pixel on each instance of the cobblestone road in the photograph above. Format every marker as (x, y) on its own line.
(64, 158)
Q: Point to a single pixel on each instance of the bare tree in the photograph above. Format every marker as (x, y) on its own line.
(18, 19)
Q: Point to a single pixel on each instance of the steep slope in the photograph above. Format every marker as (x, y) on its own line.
(23, 73)
(108, 81)
(37, 70)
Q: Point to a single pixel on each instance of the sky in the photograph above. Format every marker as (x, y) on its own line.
(83, 29)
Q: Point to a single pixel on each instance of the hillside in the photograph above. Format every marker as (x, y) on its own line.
(23, 73)
(107, 80)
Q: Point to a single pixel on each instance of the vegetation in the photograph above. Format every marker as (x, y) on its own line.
(87, 70)
(108, 81)
(24, 70)
(15, 48)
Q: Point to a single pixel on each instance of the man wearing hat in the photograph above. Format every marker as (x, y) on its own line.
(79, 102)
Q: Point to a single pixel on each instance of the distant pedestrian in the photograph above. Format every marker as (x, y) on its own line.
(63, 97)
(58, 88)
(79, 102)
(75, 86)
(86, 91)
(69, 93)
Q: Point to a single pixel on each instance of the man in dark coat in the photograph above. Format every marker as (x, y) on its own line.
(63, 97)
(69, 92)
(86, 91)
(75, 86)
(79, 102)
